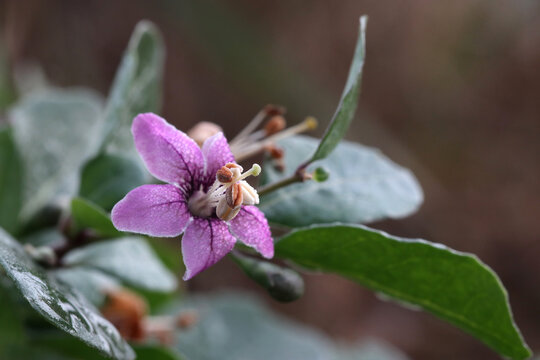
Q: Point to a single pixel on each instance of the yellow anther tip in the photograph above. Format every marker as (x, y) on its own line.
(311, 123)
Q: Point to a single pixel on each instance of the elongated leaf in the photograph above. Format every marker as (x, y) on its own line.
(349, 99)
(58, 303)
(363, 186)
(136, 88)
(86, 215)
(455, 286)
(55, 132)
(130, 259)
(10, 182)
(106, 179)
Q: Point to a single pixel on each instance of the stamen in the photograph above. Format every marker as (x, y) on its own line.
(310, 123)
(268, 110)
(227, 194)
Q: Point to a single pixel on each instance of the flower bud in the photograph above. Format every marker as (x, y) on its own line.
(126, 311)
(320, 174)
(202, 131)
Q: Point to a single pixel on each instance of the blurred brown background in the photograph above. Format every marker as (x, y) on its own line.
(451, 90)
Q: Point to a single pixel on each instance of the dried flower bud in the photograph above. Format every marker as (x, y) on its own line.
(224, 175)
(234, 196)
(187, 319)
(202, 131)
(274, 125)
(126, 311)
(271, 110)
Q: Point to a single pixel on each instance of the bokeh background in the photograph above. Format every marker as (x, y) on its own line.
(450, 90)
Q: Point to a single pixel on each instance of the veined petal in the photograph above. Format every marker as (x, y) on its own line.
(217, 153)
(251, 228)
(155, 210)
(204, 243)
(169, 154)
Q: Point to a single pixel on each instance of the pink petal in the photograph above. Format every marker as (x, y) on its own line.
(169, 154)
(155, 210)
(204, 243)
(251, 228)
(217, 153)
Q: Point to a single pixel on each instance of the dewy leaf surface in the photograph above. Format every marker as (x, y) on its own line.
(55, 132)
(363, 186)
(130, 259)
(10, 181)
(455, 286)
(136, 88)
(106, 179)
(58, 303)
(349, 99)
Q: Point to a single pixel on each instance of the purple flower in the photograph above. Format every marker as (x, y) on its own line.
(206, 197)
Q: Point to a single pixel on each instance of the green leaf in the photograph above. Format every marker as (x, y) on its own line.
(236, 326)
(454, 286)
(136, 88)
(282, 284)
(129, 259)
(58, 303)
(152, 352)
(349, 100)
(86, 215)
(55, 132)
(10, 182)
(91, 283)
(106, 179)
(363, 186)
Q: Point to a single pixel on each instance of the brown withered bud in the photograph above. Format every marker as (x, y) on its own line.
(202, 131)
(272, 110)
(187, 319)
(224, 175)
(275, 125)
(234, 196)
(126, 311)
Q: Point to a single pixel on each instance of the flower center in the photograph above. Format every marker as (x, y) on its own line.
(227, 195)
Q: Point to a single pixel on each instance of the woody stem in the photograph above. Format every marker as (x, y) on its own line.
(298, 176)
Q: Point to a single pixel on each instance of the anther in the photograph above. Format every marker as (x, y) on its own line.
(234, 196)
(224, 175)
(274, 125)
(272, 110)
